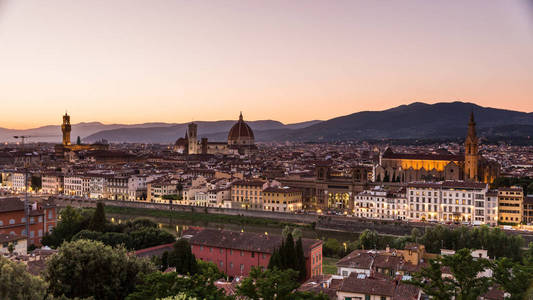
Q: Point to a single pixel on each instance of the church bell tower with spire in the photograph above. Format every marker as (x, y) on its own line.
(471, 151)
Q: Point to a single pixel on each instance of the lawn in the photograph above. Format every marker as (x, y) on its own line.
(328, 265)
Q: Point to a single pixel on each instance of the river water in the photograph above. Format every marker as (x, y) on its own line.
(178, 225)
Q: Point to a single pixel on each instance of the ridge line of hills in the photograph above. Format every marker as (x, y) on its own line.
(444, 120)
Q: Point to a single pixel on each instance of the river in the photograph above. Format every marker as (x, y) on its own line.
(178, 225)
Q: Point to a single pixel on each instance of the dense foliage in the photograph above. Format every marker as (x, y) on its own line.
(182, 259)
(512, 277)
(273, 284)
(78, 224)
(87, 268)
(463, 285)
(160, 285)
(289, 255)
(17, 284)
(496, 241)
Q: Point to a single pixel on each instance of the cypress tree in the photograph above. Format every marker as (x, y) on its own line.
(98, 221)
(182, 258)
(300, 259)
(275, 260)
(290, 253)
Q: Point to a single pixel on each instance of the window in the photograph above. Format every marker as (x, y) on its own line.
(11, 221)
(242, 267)
(242, 253)
(253, 254)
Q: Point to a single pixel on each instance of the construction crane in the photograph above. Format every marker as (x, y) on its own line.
(24, 137)
(26, 202)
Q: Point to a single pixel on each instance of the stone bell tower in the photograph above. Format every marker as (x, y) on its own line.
(66, 128)
(471, 151)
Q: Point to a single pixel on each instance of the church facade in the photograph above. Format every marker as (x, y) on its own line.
(241, 141)
(440, 165)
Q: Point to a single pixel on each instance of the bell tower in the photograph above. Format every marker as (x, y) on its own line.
(192, 138)
(65, 128)
(471, 151)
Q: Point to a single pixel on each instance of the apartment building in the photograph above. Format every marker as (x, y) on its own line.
(248, 194)
(510, 205)
(448, 201)
(379, 203)
(282, 199)
(52, 183)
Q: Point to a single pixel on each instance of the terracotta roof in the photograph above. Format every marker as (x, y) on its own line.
(387, 261)
(7, 237)
(281, 190)
(246, 241)
(154, 251)
(249, 182)
(368, 286)
(494, 293)
(422, 156)
(406, 292)
(360, 259)
(11, 204)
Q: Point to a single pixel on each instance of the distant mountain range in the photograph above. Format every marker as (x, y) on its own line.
(445, 120)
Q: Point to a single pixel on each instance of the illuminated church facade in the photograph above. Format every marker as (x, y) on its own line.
(440, 165)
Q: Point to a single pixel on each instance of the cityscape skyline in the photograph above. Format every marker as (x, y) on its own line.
(133, 62)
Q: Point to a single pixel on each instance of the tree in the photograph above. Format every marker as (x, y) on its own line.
(464, 283)
(71, 222)
(78, 140)
(513, 277)
(182, 258)
(273, 284)
(36, 183)
(368, 239)
(160, 285)
(10, 248)
(289, 255)
(301, 266)
(87, 268)
(17, 283)
(98, 221)
(431, 282)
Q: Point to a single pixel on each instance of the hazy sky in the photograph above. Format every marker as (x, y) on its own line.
(177, 61)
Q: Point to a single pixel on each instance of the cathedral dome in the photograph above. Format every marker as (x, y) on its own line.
(241, 133)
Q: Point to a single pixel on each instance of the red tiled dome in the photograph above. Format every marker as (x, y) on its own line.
(240, 130)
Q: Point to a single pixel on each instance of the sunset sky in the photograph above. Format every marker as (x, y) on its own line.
(176, 61)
